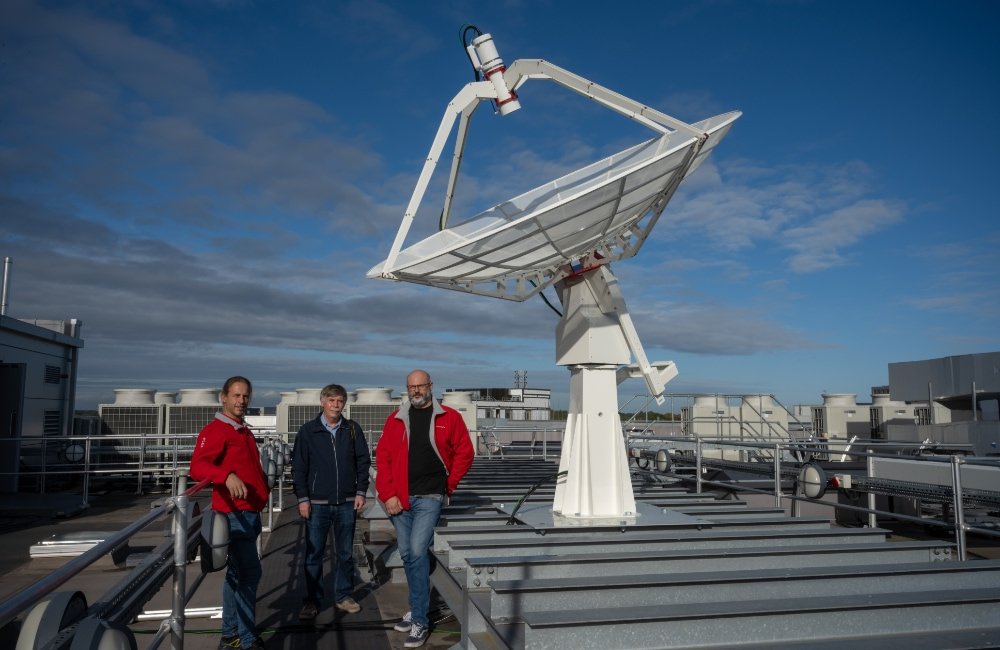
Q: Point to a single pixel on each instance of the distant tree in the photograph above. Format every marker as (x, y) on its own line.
(645, 416)
(651, 416)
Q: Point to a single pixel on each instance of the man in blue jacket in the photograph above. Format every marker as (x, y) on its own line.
(330, 465)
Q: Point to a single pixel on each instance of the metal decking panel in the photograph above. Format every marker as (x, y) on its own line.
(735, 623)
(653, 587)
(970, 639)
(482, 569)
(642, 542)
(467, 529)
(510, 600)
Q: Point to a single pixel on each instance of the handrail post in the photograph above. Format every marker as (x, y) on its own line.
(281, 486)
(777, 477)
(86, 473)
(697, 465)
(173, 470)
(270, 509)
(870, 463)
(545, 444)
(956, 491)
(180, 564)
(45, 468)
(142, 463)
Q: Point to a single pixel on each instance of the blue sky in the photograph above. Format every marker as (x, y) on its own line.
(205, 185)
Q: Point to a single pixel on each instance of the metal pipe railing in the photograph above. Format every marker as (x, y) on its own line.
(179, 595)
(31, 595)
(959, 524)
(956, 491)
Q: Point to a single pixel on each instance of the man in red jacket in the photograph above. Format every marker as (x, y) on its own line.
(226, 454)
(422, 455)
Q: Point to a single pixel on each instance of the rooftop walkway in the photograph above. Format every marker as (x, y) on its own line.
(700, 570)
(26, 520)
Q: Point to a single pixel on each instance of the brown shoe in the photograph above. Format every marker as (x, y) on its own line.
(309, 611)
(349, 605)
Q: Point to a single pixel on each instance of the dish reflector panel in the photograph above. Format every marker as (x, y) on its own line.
(595, 215)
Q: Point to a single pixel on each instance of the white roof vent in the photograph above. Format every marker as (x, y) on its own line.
(308, 395)
(199, 397)
(457, 398)
(133, 396)
(373, 396)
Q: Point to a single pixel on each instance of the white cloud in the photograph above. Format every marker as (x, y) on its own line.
(819, 244)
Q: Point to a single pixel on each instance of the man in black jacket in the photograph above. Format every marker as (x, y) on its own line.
(330, 465)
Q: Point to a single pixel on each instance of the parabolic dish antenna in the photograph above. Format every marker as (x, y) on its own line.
(517, 248)
(564, 234)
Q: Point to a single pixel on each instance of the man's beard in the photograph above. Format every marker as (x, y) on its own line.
(422, 401)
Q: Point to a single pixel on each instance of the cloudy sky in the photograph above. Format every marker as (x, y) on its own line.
(206, 183)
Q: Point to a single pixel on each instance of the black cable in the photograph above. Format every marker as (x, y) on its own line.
(545, 298)
(511, 521)
(464, 36)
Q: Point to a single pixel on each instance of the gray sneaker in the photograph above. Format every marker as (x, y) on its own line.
(417, 637)
(404, 624)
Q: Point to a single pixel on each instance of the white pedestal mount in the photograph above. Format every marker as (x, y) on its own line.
(596, 340)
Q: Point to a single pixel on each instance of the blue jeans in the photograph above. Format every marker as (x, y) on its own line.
(239, 594)
(414, 536)
(323, 515)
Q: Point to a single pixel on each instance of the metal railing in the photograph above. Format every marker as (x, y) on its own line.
(144, 581)
(521, 441)
(125, 601)
(47, 464)
(138, 461)
(781, 467)
(734, 416)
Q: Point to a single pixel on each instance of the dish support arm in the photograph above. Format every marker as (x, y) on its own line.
(465, 103)
(595, 338)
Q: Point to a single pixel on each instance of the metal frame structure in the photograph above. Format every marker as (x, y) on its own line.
(51, 619)
(565, 233)
(477, 265)
(731, 574)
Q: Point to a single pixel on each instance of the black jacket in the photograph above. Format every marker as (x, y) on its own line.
(326, 473)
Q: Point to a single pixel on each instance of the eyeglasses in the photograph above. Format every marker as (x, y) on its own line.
(417, 386)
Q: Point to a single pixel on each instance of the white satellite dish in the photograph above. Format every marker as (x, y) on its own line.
(517, 248)
(564, 233)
